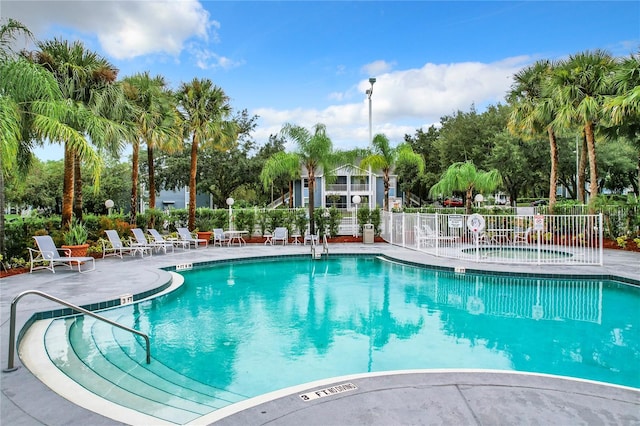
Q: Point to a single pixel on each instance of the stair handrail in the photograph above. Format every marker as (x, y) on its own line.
(12, 324)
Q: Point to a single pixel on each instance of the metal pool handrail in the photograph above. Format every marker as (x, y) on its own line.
(12, 325)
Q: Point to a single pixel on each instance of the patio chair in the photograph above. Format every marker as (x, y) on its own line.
(49, 255)
(185, 235)
(117, 247)
(141, 241)
(310, 238)
(219, 237)
(521, 236)
(280, 234)
(428, 237)
(159, 239)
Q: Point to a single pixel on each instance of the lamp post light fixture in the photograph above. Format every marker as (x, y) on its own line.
(369, 93)
(356, 199)
(109, 205)
(230, 202)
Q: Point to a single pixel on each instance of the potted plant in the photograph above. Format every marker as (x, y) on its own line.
(204, 228)
(75, 239)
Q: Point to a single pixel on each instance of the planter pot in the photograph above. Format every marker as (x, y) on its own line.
(205, 235)
(78, 251)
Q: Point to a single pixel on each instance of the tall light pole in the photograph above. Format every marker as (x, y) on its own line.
(369, 92)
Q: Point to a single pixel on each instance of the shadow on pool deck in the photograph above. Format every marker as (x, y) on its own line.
(417, 398)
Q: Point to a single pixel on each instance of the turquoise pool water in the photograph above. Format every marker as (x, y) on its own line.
(252, 327)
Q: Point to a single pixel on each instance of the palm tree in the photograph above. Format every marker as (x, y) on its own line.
(156, 124)
(80, 74)
(581, 83)
(464, 177)
(9, 32)
(384, 158)
(314, 151)
(205, 113)
(624, 108)
(533, 113)
(32, 109)
(281, 164)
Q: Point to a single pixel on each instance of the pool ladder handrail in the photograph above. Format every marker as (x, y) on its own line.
(12, 325)
(325, 248)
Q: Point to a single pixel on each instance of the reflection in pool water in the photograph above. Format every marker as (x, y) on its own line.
(253, 327)
(241, 329)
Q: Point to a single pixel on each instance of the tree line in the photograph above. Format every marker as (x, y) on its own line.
(584, 107)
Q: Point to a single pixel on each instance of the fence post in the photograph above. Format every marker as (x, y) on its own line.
(600, 242)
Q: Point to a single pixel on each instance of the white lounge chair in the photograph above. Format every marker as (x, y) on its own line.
(49, 255)
(141, 241)
(219, 237)
(280, 234)
(117, 247)
(185, 235)
(157, 238)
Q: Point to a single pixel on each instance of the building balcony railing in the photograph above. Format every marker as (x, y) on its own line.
(359, 187)
(342, 187)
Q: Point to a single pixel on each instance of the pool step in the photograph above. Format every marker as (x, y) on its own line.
(88, 352)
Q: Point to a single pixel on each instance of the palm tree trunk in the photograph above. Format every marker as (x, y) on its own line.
(467, 203)
(593, 167)
(192, 183)
(152, 177)
(77, 187)
(2, 245)
(290, 194)
(553, 175)
(67, 188)
(312, 189)
(134, 182)
(385, 202)
(638, 189)
(152, 185)
(582, 167)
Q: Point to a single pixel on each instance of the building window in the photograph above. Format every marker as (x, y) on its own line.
(337, 201)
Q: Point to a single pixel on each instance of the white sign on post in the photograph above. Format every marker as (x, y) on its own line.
(455, 221)
(538, 223)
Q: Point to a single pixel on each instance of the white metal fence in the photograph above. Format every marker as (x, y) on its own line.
(538, 239)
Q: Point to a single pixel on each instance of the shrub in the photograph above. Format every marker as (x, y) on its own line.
(245, 220)
(76, 235)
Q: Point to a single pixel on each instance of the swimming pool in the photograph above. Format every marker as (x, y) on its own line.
(244, 328)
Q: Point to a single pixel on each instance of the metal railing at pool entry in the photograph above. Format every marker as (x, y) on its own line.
(521, 239)
(12, 325)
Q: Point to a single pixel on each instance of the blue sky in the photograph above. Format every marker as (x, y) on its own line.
(306, 62)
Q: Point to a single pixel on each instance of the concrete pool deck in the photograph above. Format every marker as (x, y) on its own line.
(458, 397)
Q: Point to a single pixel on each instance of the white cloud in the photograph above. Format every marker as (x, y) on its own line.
(125, 29)
(377, 67)
(206, 59)
(403, 101)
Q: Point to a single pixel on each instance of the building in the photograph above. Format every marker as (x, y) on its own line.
(349, 181)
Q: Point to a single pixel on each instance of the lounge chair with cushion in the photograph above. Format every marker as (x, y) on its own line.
(185, 235)
(140, 240)
(49, 255)
(280, 234)
(115, 246)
